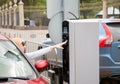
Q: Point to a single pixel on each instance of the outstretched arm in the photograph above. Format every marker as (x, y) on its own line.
(45, 50)
(58, 45)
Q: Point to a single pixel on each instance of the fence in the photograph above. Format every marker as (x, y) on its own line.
(29, 35)
(12, 15)
(17, 16)
(36, 14)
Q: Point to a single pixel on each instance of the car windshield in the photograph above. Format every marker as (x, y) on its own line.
(115, 29)
(13, 63)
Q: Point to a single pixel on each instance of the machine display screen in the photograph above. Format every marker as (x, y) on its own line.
(65, 30)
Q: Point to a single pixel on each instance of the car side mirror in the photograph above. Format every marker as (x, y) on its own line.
(41, 65)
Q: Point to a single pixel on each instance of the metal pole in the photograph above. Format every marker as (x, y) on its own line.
(71, 9)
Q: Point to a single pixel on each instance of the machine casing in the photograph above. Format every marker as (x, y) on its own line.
(81, 54)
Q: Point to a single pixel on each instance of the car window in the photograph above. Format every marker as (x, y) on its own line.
(102, 32)
(13, 63)
(115, 29)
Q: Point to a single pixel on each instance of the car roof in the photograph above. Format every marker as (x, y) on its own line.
(96, 20)
(110, 20)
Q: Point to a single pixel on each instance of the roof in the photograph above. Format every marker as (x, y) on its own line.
(111, 11)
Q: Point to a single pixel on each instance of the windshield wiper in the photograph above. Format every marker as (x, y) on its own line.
(4, 79)
(22, 78)
(12, 55)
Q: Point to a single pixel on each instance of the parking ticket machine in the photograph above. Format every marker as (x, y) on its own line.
(81, 53)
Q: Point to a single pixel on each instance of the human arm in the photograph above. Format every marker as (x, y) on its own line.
(46, 50)
(38, 53)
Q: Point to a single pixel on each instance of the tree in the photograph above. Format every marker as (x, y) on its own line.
(3, 2)
(33, 2)
(85, 13)
(88, 1)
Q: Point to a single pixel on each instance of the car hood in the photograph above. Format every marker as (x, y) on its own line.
(39, 80)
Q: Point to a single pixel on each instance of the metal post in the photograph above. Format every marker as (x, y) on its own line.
(66, 9)
(71, 9)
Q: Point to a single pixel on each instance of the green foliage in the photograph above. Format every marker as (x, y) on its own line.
(88, 1)
(2, 2)
(34, 2)
(40, 2)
